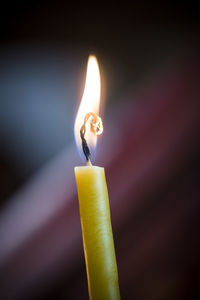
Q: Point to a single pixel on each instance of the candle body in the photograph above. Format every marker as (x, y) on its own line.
(97, 233)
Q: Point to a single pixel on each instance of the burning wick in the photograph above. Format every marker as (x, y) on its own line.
(96, 126)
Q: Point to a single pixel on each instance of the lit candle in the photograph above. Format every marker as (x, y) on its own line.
(94, 206)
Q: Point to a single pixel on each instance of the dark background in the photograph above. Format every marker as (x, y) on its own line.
(44, 48)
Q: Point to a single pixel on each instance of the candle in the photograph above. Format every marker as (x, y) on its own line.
(93, 196)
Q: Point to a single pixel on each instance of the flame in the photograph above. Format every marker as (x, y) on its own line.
(89, 104)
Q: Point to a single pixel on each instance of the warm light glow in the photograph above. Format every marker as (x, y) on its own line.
(89, 104)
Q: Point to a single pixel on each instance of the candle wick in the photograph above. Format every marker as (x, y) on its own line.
(85, 147)
(96, 127)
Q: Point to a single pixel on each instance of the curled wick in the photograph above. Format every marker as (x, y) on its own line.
(96, 127)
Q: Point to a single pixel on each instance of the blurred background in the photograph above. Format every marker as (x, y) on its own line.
(150, 66)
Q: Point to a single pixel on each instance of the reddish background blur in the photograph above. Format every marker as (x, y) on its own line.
(150, 65)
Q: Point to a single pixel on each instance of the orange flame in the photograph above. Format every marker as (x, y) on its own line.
(89, 106)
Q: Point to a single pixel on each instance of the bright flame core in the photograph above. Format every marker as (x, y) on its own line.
(89, 104)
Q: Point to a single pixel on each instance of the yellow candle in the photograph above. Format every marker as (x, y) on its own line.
(93, 196)
(97, 233)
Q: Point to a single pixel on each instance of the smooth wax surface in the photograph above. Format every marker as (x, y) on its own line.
(97, 233)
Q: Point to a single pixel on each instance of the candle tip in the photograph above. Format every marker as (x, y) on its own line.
(88, 163)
